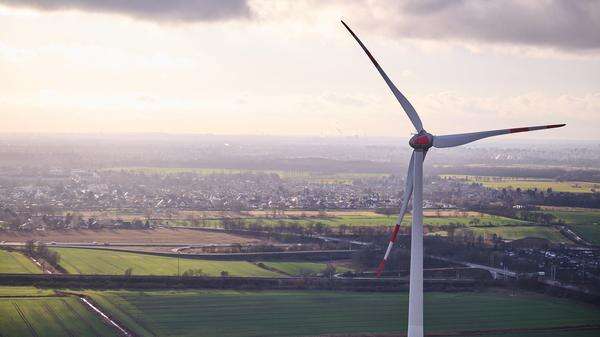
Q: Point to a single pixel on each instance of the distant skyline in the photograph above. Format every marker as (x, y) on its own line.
(290, 68)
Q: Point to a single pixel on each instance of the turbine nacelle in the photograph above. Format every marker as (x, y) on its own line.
(421, 141)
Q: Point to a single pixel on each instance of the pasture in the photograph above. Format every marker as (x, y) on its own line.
(27, 311)
(574, 216)
(527, 183)
(583, 221)
(122, 236)
(590, 233)
(310, 313)
(24, 291)
(17, 263)
(106, 262)
(333, 218)
(369, 218)
(519, 232)
(302, 268)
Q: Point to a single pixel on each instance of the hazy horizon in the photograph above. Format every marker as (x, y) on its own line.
(290, 68)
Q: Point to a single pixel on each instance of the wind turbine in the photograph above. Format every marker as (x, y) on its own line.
(421, 143)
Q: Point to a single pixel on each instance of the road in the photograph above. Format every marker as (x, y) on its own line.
(494, 271)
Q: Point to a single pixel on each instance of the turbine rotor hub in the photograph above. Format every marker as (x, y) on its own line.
(421, 141)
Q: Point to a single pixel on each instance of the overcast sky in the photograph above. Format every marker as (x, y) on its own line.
(289, 67)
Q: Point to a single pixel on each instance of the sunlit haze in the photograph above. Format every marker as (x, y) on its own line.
(290, 68)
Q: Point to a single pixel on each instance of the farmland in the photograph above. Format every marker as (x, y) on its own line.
(519, 232)
(499, 225)
(304, 218)
(24, 292)
(97, 261)
(17, 263)
(430, 219)
(30, 312)
(370, 218)
(307, 313)
(590, 233)
(584, 221)
(527, 183)
(301, 268)
(144, 236)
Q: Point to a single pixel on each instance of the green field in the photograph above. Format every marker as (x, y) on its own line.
(23, 314)
(27, 311)
(527, 183)
(372, 219)
(584, 222)
(24, 291)
(17, 263)
(590, 233)
(577, 216)
(520, 232)
(309, 313)
(584, 333)
(332, 219)
(302, 268)
(98, 261)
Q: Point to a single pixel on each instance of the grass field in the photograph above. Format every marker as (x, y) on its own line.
(300, 268)
(590, 233)
(584, 221)
(374, 219)
(309, 313)
(17, 263)
(304, 218)
(527, 183)
(575, 216)
(333, 218)
(519, 232)
(97, 261)
(24, 291)
(146, 236)
(27, 311)
(429, 219)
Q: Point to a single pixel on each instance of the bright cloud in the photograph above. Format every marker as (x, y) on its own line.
(289, 67)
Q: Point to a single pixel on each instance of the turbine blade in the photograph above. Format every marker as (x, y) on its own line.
(465, 138)
(408, 187)
(408, 108)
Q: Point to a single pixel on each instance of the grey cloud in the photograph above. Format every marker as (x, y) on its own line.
(563, 24)
(155, 10)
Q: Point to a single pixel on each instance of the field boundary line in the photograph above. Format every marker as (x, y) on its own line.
(39, 268)
(84, 320)
(60, 322)
(115, 323)
(27, 323)
(131, 316)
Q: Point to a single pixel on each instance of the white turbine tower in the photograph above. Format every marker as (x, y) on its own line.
(421, 142)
